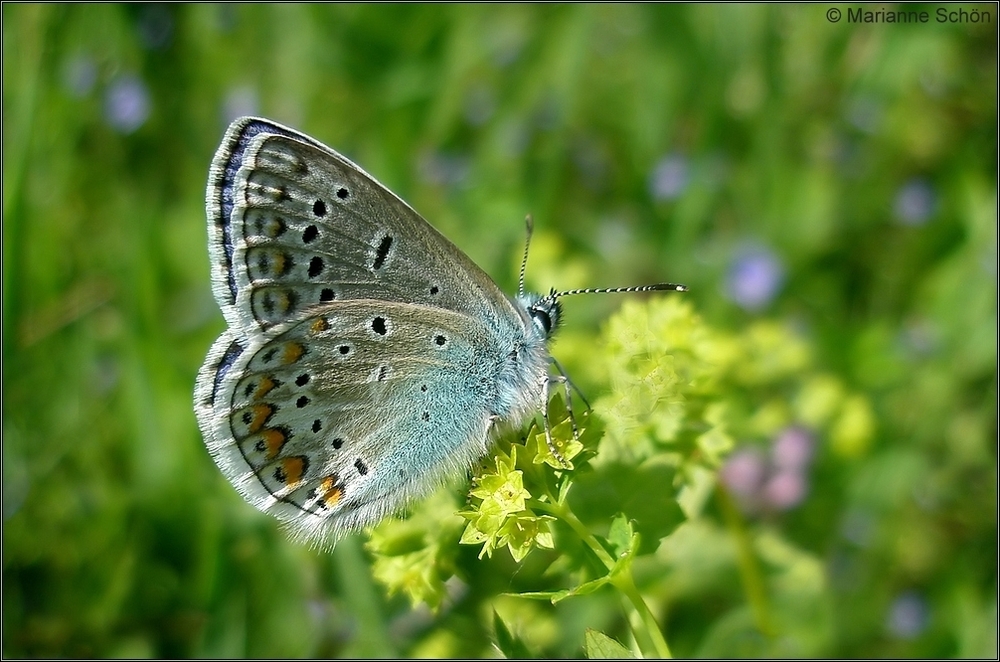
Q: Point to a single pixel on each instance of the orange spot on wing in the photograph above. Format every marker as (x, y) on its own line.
(264, 387)
(260, 415)
(274, 439)
(331, 491)
(292, 469)
(293, 352)
(284, 303)
(319, 325)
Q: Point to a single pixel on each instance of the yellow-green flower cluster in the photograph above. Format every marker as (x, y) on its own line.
(499, 515)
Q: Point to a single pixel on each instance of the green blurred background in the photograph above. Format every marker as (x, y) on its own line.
(836, 178)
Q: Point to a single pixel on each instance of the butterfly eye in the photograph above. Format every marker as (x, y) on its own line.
(542, 319)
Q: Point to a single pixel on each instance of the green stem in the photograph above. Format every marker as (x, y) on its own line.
(622, 580)
(753, 583)
(626, 585)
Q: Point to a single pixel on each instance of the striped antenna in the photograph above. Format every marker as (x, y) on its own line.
(657, 287)
(530, 226)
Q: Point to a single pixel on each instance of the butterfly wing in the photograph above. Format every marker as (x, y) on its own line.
(366, 356)
(335, 420)
(294, 224)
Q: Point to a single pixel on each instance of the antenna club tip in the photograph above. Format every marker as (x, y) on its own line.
(681, 288)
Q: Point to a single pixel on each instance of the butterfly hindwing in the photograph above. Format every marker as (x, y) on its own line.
(342, 417)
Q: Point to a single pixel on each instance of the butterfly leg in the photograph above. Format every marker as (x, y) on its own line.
(570, 384)
(545, 420)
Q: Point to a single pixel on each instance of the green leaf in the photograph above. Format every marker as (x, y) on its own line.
(620, 536)
(644, 495)
(600, 646)
(558, 596)
(509, 646)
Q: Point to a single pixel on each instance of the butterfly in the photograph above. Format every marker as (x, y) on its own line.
(366, 358)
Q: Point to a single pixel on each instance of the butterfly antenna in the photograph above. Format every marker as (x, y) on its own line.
(529, 224)
(656, 287)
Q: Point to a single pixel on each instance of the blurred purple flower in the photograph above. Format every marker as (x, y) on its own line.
(548, 113)
(785, 490)
(127, 104)
(858, 527)
(865, 113)
(592, 162)
(479, 105)
(920, 337)
(669, 177)
(915, 203)
(908, 616)
(444, 169)
(754, 278)
(79, 75)
(743, 473)
(793, 449)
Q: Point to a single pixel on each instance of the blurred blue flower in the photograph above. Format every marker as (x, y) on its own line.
(127, 104)
(79, 75)
(754, 278)
(669, 178)
(240, 101)
(908, 616)
(915, 203)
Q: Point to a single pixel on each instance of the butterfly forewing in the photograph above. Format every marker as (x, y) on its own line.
(298, 225)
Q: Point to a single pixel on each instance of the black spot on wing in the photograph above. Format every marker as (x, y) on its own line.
(225, 363)
(382, 253)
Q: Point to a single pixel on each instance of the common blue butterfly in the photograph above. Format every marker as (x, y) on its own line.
(366, 357)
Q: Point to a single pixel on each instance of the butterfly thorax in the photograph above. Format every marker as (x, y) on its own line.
(525, 370)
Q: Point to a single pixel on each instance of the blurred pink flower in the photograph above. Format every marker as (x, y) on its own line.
(784, 490)
(743, 473)
(793, 449)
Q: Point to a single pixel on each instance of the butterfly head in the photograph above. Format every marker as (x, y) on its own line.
(545, 312)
